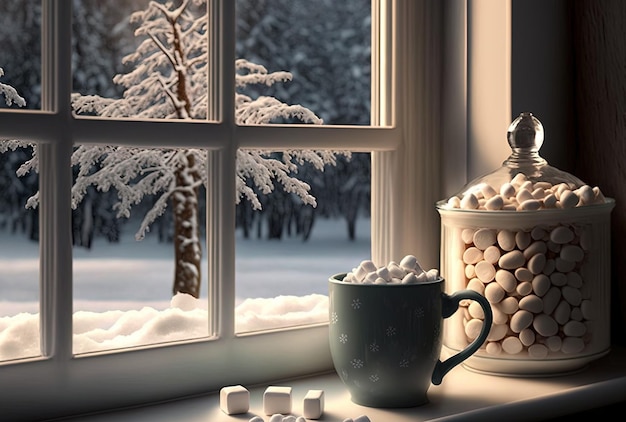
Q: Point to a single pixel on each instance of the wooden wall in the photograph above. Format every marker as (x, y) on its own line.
(599, 49)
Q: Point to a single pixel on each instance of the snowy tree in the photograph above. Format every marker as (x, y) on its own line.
(169, 81)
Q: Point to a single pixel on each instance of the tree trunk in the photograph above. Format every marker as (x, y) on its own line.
(188, 251)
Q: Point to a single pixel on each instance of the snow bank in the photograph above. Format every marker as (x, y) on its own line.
(281, 311)
(185, 318)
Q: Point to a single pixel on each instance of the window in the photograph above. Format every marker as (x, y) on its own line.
(404, 121)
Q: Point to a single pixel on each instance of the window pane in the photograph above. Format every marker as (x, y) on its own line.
(139, 241)
(127, 64)
(287, 250)
(20, 55)
(19, 257)
(324, 45)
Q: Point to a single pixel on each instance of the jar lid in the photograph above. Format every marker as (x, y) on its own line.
(525, 181)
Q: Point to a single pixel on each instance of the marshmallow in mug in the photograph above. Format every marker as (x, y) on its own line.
(408, 271)
(521, 194)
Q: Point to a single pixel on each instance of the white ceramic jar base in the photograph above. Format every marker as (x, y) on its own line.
(530, 368)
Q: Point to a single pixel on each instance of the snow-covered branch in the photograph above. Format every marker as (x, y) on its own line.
(257, 74)
(10, 94)
(265, 110)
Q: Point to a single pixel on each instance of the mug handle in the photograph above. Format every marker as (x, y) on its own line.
(450, 304)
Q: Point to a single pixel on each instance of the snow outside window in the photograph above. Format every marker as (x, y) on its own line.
(77, 133)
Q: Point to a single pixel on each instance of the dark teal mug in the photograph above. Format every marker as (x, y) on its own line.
(385, 339)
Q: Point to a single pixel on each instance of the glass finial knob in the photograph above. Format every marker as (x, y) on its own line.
(525, 133)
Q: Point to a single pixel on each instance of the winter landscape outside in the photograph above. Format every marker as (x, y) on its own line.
(140, 269)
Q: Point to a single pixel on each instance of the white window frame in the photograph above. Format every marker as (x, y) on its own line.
(406, 151)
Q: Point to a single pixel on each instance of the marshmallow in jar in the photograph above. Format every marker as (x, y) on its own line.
(535, 241)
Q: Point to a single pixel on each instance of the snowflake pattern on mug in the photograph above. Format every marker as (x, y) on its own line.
(404, 363)
(334, 318)
(374, 347)
(356, 304)
(436, 331)
(419, 312)
(343, 338)
(374, 378)
(438, 341)
(391, 331)
(357, 363)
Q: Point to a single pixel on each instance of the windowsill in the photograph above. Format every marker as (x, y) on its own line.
(462, 395)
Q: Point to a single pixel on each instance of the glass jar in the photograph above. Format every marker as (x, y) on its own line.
(535, 241)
